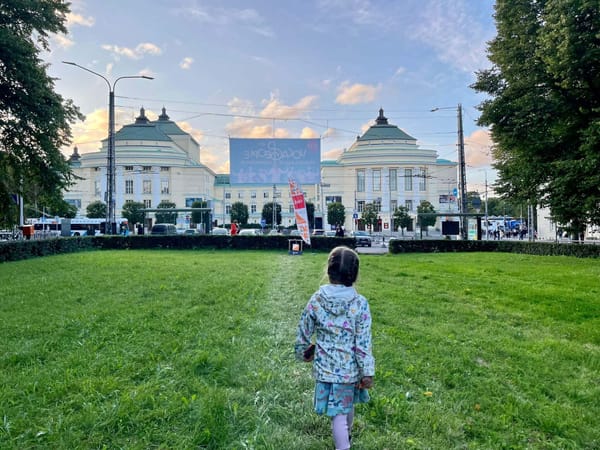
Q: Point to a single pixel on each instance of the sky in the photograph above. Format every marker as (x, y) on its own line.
(281, 68)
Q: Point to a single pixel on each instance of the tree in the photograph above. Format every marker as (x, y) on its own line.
(402, 219)
(239, 212)
(133, 212)
(34, 120)
(369, 215)
(473, 202)
(310, 212)
(336, 213)
(543, 106)
(426, 221)
(96, 210)
(166, 216)
(201, 218)
(267, 213)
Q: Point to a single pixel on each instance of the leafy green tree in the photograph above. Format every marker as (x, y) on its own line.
(267, 213)
(239, 212)
(201, 218)
(369, 215)
(336, 213)
(166, 216)
(133, 212)
(34, 120)
(543, 93)
(427, 221)
(96, 210)
(402, 219)
(474, 203)
(310, 212)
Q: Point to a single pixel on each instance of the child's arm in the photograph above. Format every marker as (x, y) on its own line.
(363, 345)
(304, 333)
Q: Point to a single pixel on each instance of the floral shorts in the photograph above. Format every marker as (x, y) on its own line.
(337, 398)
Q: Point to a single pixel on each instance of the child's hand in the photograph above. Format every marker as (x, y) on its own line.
(366, 383)
(309, 353)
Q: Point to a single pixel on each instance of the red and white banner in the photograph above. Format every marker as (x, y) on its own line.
(300, 210)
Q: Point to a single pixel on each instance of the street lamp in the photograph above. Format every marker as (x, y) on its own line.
(111, 225)
(461, 172)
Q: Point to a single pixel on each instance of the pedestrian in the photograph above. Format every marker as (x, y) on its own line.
(343, 365)
(234, 228)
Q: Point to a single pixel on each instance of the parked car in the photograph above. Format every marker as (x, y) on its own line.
(362, 239)
(295, 233)
(330, 233)
(219, 231)
(163, 228)
(190, 231)
(318, 232)
(249, 232)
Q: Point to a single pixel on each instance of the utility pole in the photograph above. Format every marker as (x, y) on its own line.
(462, 176)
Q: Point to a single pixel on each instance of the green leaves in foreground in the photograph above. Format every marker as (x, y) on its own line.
(193, 349)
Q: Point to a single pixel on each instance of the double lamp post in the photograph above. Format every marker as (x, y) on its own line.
(111, 223)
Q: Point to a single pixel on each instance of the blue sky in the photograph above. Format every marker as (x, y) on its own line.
(265, 68)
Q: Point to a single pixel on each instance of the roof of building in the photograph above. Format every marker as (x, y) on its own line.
(141, 130)
(382, 130)
(166, 125)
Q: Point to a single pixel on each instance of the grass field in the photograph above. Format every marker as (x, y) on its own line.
(193, 349)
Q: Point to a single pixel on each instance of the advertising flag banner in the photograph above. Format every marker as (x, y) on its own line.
(300, 211)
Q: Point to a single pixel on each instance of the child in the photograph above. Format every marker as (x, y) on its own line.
(343, 361)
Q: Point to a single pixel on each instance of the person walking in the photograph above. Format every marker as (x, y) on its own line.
(343, 364)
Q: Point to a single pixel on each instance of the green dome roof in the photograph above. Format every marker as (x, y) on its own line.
(382, 130)
(141, 130)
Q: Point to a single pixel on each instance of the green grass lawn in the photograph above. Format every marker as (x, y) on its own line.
(193, 349)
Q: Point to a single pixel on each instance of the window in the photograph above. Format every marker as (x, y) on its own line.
(147, 203)
(394, 205)
(128, 201)
(164, 186)
(165, 169)
(147, 186)
(377, 204)
(291, 208)
(97, 188)
(408, 179)
(266, 194)
(409, 205)
(253, 209)
(227, 208)
(129, 168)
(97, 169)
(129, 186)
(147, 169)
(376, 180)
(393, 180)
(253, 194)
(423, 179)
(228, 195)
(241, 194)
(361, 206)
(360, 180)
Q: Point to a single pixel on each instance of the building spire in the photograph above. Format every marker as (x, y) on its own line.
(381, 120)
(164, 115)
(142, 117)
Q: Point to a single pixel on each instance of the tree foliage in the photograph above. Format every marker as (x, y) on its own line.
(239, 212)
(133, 212)
(267, 213)
(34, 120)
(427, 221)
(166, 216)
(369, 215)
(544, 105)
(336, 213)
(96, 210)
(200, 216)
(401, 218)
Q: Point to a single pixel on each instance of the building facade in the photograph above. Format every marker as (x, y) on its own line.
(157, 161)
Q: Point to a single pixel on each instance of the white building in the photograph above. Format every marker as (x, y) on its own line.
(157, 161)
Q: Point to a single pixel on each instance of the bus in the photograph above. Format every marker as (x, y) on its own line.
(78, 226)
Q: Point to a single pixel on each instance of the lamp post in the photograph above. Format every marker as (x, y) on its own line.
(462, 184)
(111, 225)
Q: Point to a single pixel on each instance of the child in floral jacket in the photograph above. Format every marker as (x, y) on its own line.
(343, 363)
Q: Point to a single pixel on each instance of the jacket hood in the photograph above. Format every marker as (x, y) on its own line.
(335, 298)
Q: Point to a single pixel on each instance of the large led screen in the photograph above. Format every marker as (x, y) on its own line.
(274, 161)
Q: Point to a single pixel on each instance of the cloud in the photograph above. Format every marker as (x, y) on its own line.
(308, 133)
(62, 41)
(358, 12)
(454, 35)
(145, 48)
(274, 108)
(233, 18)
(78, 19)
(186, 63)
(352, 94)
(332, 154)
(478, 147)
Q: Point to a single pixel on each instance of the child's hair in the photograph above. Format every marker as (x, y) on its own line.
(342, 266)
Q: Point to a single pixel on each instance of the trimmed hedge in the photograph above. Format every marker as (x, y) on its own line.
(17, 250)
(506, 246)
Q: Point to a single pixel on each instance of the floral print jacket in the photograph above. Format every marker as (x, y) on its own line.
(341, 320)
